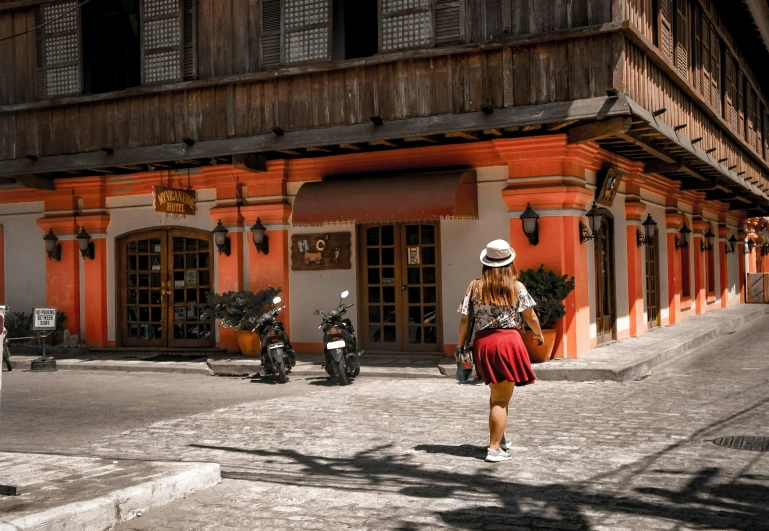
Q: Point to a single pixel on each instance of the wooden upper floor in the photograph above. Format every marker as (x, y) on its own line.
(115, 86)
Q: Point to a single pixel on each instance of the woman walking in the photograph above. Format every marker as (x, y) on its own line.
(500, 305)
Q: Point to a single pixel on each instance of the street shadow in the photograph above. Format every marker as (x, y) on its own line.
(494, 499)
(462, 450)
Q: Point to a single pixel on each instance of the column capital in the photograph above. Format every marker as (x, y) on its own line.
(61, 225)
(229, 215)
(634, 208)
(95, 223)
(548, 195)
(673, 219)
(275, 213)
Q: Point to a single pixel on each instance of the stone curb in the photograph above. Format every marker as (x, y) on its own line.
(121, 505)
(642, 367)
(70, 365)
(244, 368)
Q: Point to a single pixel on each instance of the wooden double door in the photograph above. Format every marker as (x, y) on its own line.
(400, 284)
(163, 278)
(652, 283)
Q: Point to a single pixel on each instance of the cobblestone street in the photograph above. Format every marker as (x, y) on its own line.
(389, 454)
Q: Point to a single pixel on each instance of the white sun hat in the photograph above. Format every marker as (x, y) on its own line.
(497, 254)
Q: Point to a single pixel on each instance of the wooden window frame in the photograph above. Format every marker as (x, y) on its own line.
(393, 14)
(41, 62)
(284, 33)
(180, 46)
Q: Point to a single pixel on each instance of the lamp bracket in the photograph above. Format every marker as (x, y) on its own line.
(584, 233)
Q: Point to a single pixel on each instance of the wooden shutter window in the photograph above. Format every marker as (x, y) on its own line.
(697, 50)
(405, 24)
(666, 29)
(765, 129)
(270, 34)
(731, 94)
(162, 36)
(740, 101)
(306, 31)
(190, 41)
(750, 134)
(448, 22)
(682, 38)
(715, 71)
(58, 50)
(705, 58)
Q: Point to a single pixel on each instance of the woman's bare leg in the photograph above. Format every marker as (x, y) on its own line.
(507, 412)
(498, 405)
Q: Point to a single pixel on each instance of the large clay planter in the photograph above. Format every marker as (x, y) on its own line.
(539, 353)
(249, 342)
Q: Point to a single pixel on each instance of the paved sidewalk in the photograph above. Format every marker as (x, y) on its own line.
(82, 493)
(648, 455)
(620, 361)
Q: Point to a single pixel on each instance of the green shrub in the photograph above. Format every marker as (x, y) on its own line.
(549, 290)
(238, 309)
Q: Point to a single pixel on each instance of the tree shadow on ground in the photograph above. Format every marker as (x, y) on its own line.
(493, 501)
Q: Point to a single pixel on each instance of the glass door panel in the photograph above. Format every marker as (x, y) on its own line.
(190, 282)
(381, 299)
(142, 286)
(422, 315)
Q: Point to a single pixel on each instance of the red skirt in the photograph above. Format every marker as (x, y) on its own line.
(500, 355)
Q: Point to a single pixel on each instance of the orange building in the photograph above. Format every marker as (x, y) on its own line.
(406, 153)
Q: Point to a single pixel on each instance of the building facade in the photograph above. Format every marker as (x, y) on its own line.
(381, 145)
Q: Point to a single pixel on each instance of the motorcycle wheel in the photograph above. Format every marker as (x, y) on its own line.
(356, 372)
(341, 372)
(282, 372)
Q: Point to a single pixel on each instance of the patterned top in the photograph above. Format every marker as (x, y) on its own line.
(488, 316)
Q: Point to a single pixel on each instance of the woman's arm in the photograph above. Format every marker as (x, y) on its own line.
(463, 322)
(531, 319)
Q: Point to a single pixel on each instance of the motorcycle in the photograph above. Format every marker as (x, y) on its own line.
(278, 357)
(339, 343)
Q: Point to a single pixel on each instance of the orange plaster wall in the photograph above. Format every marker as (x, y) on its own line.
(96, 295)
(230, 273)
(724, 274)
(674, 280)
(635, 283)
(272, 270)
(63, 284)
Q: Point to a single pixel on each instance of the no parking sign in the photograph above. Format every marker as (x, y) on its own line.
(44, 319)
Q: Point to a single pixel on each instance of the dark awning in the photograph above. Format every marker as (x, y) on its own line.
(386, 198)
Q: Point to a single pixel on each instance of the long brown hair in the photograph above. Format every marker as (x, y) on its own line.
(498, 286)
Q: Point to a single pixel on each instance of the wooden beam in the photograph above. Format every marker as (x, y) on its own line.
(494, 132)
(556, 127)
(429, 139)
(335, 135)
(604, 128)
(290, 152)
(382, 143)
(512, 129)
(350, 147)
(33, 181)
(648, 146)
(466, 136)
(720, 195)
(532, 127)
(317, 149)
(250, 162)
(657, 166)
(698, 185)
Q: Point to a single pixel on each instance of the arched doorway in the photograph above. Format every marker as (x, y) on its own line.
(163, 277)
(605, 281)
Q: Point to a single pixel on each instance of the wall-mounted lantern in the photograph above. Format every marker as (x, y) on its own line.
(749, 246)
(707, 243)
(732, 247)
(650, 230)
(221, 240)
(529, 220)
(85, 244)
(594, 217)
(765, 249)
(261, 241)
(683, 241)
(51, 247)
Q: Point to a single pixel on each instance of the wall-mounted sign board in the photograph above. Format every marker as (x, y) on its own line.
(43, 319)
(174, 200)
(321, 252)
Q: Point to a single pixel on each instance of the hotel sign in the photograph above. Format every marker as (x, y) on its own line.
(174, 200)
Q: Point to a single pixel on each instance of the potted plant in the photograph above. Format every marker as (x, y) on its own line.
(239, 310)
(549, 290)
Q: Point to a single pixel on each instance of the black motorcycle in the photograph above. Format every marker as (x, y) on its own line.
(339, 343)
(278, 356)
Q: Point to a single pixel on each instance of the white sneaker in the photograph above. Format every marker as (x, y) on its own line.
(506, 443)
(497, 456)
